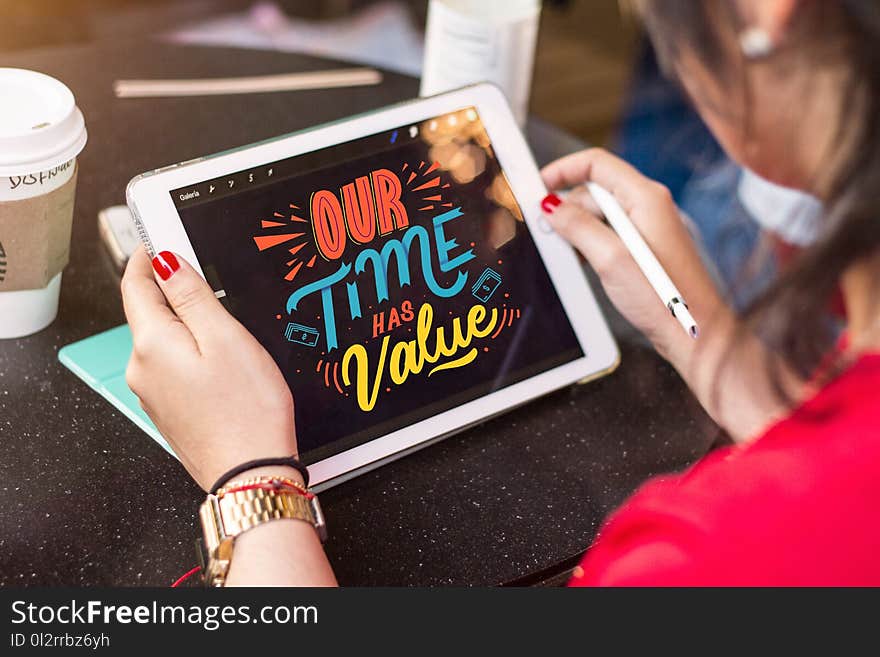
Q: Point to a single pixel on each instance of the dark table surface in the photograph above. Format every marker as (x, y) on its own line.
(87, 499)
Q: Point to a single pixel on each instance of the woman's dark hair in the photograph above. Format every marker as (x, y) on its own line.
(792, 314)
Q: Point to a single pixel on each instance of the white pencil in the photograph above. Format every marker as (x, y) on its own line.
(326, 79)
(644, 257)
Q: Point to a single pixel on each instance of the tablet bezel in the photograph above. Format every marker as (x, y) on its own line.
(160, 226)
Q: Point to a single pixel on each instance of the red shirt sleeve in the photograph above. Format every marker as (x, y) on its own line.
(651, 541)
(798, 506)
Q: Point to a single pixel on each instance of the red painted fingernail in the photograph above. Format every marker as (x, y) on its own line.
(550, 203)
(165, 265)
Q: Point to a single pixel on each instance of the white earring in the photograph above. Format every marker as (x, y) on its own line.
(756, 43)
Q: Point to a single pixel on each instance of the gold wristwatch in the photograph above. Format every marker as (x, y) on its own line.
(242, 506)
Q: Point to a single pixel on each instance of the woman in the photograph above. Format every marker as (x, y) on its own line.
(791, 89)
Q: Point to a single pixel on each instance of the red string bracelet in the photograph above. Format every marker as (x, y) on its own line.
(185, 576)
(268, 485)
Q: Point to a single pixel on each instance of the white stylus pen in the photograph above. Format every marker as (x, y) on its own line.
(644, 257)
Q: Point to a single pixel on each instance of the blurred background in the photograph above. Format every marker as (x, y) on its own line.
(585, 53)
(595, 77)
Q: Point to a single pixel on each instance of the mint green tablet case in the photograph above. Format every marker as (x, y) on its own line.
(100, 361)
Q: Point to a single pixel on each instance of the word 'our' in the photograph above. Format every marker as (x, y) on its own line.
(362, 207)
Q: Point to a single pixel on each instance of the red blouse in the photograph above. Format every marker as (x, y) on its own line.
(798, 506)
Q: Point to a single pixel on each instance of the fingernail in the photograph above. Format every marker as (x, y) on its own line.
(165, 265)
(550, 203)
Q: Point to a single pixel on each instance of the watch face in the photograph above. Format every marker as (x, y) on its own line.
(214, 548)
(318, 515)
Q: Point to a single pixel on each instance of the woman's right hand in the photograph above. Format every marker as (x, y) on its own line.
(724, 358)
(651, 208)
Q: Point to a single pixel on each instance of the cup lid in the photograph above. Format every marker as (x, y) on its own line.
(40, 124)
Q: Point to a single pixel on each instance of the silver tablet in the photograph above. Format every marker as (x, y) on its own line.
(395, 266)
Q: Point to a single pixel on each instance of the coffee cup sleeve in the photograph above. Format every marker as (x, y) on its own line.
(35, 238)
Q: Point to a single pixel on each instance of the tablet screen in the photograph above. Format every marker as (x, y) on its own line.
(391, 277)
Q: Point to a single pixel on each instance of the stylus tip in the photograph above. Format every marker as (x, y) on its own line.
(687, 321)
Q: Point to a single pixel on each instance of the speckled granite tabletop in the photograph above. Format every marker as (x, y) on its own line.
(87, 499)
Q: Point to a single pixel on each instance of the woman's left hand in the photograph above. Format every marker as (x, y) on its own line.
(212, 390)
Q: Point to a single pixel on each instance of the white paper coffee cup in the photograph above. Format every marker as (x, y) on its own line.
(469, 41)
(41, 133)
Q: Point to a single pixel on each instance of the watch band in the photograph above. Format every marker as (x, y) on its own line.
(224, 517)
